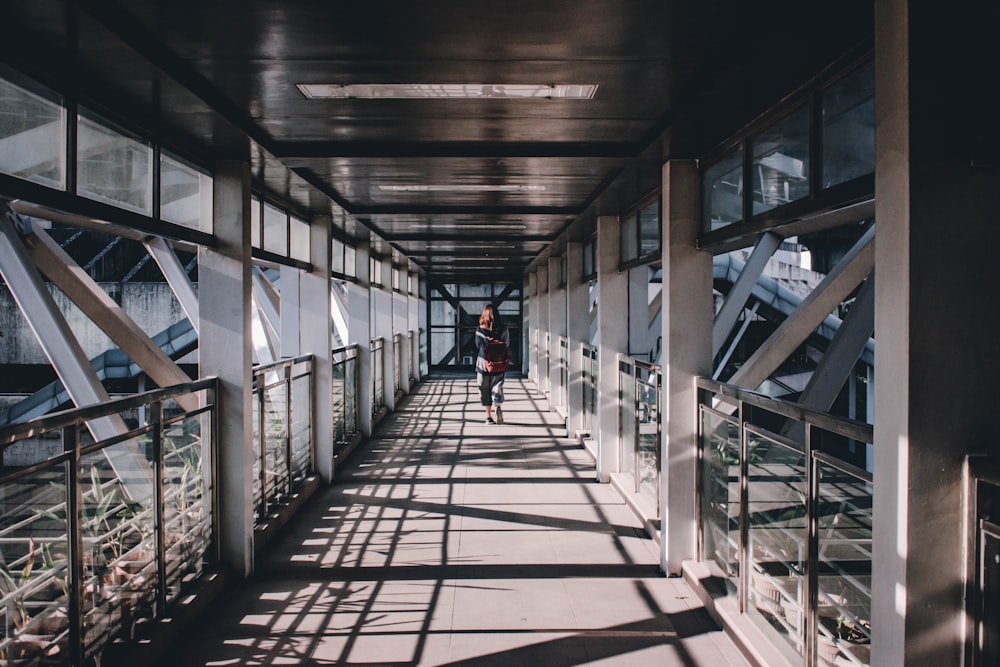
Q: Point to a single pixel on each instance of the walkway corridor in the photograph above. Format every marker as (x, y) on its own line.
(447, 541)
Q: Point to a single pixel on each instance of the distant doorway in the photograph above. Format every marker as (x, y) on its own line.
(454, 310)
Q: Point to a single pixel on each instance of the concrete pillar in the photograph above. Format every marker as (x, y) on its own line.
(577, 327)
(360, 332)
(383, 327)
(638, 312)
(544, 351)
(557, 327)
(225, 351)
(936, 355)
(687, 353)
(288, 312)
(401, 320)
(530, 361)
(612, 333)
(413, 323)
(315, 314)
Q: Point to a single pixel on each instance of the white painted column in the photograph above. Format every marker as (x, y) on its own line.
(530, 361)
(225, 351)
(423, 297)
(638, 312)
(544, 351)
(577, 327)
(612, 333)
(936, 354)
(382, 313)
(288, 311)
(687, 353)
(557, 327)
(401, 317)
(315, 315)
(360, 331)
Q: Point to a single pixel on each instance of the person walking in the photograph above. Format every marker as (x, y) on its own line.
(493, 341)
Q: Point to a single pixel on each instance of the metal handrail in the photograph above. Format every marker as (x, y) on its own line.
(849, 428)
(57, 420)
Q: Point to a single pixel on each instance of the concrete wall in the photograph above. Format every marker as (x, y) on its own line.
(151, 305)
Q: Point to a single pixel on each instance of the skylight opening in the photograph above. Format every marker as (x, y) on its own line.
(465, 91)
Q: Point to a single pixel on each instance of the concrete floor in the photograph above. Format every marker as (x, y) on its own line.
(446, 541)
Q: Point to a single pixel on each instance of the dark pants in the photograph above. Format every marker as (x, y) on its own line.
(490, 388)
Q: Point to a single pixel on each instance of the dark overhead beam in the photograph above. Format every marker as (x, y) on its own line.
(292, 150)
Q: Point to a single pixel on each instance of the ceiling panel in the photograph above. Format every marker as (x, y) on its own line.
(465, 185)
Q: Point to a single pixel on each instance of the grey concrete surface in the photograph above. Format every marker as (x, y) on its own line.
(446, 541)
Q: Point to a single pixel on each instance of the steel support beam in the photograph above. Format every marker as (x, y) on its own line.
(838, 284)
(95, 303)
(837, 364)
(177, 277)
(740, 291)
(66, 355)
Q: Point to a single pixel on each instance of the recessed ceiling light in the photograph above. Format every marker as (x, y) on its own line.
(466, 91)
(454, 187)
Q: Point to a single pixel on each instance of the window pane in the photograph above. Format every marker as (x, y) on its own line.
(113, 168)
(722, 192)
(470, 312)
(350, 261)
(275, 230)
(185, 195)
(629, 239)
(588, 260)
(337, 256)
(475, 291)
(442, 346)
(442, 314)
(299, 233)
(649, 229)
(255, 222)
(849, 128)
(781, 163)
(32, 136)
(512, 292)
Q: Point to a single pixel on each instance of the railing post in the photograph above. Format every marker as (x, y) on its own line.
(812, 551)
(155, 413)
(744, 516)
(288, 428)
(74, 547)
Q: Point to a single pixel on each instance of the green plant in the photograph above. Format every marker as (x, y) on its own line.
(13, 585)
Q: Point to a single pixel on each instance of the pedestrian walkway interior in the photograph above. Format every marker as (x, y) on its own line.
(447, 541)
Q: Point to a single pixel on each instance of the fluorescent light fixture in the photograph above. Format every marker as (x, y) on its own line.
(458, 91)
(454, 187)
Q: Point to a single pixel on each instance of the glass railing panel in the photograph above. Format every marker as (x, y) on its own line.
(350, 396)
(626, 419)
(257, 456)
(301, 424)
(720, 493)
(186, 498)
(116, 517)
(378, 390)
(777, 490)
(34, 573)
(844, 544)
(276, 473)
(337, 404)
(186, 501)
(648, 418)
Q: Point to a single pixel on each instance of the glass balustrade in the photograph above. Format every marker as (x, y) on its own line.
(785, 519)
(282, 433)
(92, 539)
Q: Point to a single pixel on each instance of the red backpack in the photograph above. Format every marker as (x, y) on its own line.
(496, 355)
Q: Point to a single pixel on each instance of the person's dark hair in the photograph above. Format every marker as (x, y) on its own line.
(489, 318)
